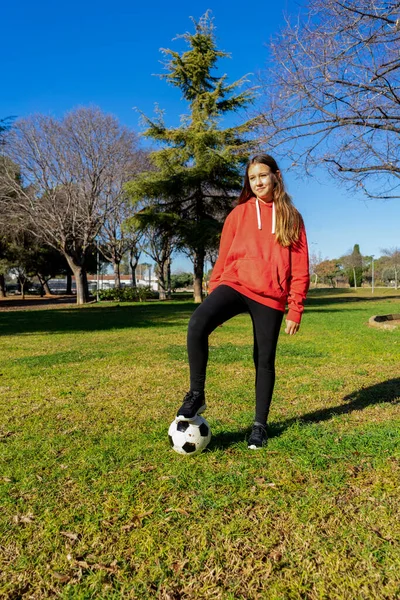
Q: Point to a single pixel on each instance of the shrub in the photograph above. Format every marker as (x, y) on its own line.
(145, 293)
(127, 294)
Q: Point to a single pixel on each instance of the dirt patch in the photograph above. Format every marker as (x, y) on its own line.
(385, 321)
(35, 302)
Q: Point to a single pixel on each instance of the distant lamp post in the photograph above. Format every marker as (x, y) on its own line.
(314, 254)
(372, 268)
(97, 270)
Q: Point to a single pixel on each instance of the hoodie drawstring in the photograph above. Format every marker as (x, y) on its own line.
(273, 218)
(259, 216)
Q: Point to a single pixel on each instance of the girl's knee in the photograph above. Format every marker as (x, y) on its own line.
(266, 360)
(196, 326)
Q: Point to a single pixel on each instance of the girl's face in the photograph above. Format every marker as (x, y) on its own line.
(262, 181)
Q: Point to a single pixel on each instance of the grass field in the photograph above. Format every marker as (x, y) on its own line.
(94, 504)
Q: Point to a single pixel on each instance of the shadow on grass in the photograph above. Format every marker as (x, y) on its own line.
(340, 297)
(226, 439)
(386, 391)
(101, 317)
(96, 317)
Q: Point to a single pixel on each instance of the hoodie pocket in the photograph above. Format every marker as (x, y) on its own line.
(258, 276)
(283, 281)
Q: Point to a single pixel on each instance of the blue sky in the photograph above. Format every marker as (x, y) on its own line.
(59, 55)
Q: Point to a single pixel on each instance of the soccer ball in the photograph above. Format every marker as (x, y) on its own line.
(189, 437)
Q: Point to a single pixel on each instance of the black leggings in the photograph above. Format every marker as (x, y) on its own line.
(220, 306)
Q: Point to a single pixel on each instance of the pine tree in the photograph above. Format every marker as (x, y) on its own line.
(197, 170)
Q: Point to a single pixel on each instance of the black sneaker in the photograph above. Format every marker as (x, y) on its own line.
(258, 437)
(194, 404)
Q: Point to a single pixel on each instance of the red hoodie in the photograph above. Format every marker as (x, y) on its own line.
(252, 262)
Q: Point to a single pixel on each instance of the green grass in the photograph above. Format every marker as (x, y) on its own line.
(94, 504)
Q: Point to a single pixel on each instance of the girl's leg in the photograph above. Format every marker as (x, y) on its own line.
(220, 306)
(266, 326)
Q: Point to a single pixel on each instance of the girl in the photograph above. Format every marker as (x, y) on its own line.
(262, 264)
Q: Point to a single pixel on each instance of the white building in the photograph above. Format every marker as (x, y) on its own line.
(106, 282)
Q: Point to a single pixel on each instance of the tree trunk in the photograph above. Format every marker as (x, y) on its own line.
(169, 290)
(355, 280)
(82, 292)
(395, 278)
(133, 263)
(68, 290)
(117, 275)
(198, 275)
(3, 291)
(44, 285)
(22, 285)
(161, 281)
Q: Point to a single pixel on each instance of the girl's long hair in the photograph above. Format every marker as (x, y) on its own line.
(288, 219)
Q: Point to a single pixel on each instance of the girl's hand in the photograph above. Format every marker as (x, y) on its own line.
(291, 327)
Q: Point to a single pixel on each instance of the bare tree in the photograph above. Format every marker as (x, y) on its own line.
(72, 173)
(394, 261)
(119, 234)
(8, 224)
(160, 245)
(333, 93)
(135, 250)
(114, 240)
(315, 260)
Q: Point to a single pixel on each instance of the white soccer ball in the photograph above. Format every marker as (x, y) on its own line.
(189, 437)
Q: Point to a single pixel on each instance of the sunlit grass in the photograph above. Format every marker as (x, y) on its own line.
(94, 504)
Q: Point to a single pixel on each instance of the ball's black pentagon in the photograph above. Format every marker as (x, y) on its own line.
(182, 426)
(188, 447)
(171, 441)
(203, 430)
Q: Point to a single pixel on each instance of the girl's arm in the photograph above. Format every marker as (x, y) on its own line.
(299, 282)
(227, 235)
